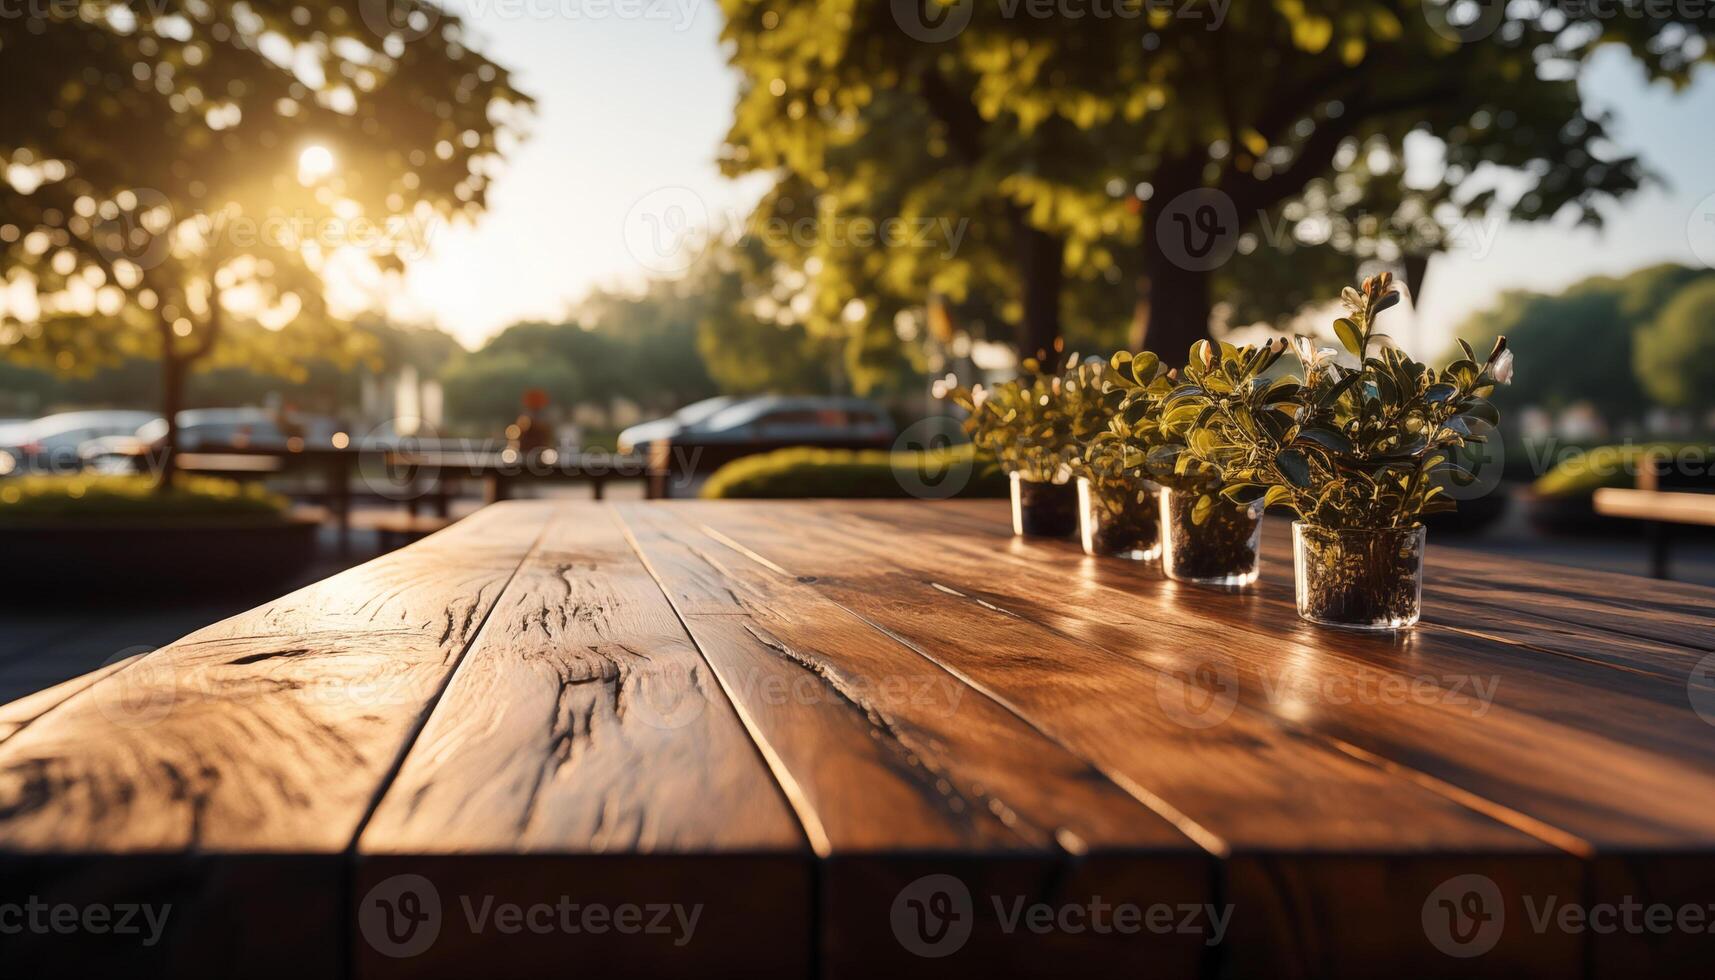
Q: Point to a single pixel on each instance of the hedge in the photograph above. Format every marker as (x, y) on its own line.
(1581, 474)
(797, 473)
(127, 498)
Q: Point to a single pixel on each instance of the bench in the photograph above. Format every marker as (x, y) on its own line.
(1664, 496)
(871, 739)
(394, 529)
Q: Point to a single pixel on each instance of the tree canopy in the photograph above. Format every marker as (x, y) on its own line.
(1675, 355)
(1086, 151)
(174, 166)
(1581, 345)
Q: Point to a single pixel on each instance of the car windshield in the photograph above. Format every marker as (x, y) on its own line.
(698, 411)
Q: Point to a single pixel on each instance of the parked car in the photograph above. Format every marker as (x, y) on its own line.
(748, 426)
(637, 438)
(51, 443)
(797, 421)
(219, 428)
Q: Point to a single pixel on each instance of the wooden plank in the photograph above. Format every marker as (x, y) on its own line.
(1657, 505)
(1613, 756)
(891, 756)
(16, 714)
(1630, 741)
(225, 775)
(581, 753)
(1277, 804)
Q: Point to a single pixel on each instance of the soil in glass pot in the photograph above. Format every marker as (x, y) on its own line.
(1123, 523)
(1222, 550)
(1043, 509)
(1359, 579)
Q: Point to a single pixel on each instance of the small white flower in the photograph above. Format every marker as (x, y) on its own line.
(1503, 368)
(1316, 360)
(979, 394)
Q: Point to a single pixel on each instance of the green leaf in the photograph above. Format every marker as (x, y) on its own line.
(1439, 393)
(1293, 465)
(1277, 496)
(1481, 409)
(1143, 367)
(1243, 494)
(1328, 439)
(1200, 511)
(1350, 336)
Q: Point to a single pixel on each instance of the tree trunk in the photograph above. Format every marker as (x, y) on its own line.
(1041, 267)
(1173, 305)
(172, 398)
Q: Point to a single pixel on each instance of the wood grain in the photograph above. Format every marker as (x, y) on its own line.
(1512, 725)
(16, 714)
(1152, 706)
(891, 755)
(584, 730)
(794, 718)
(269, 734)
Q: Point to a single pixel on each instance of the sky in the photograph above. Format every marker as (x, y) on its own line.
(632, 109)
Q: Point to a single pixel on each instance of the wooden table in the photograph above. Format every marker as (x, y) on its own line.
(872, 739)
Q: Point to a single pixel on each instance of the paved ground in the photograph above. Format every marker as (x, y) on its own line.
(41, 647)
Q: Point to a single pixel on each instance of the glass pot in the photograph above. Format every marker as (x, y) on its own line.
(1043, 509)
(1126, 527)
(1359, 579)
(1223, 550)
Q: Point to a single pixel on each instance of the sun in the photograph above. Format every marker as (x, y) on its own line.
(315, 163)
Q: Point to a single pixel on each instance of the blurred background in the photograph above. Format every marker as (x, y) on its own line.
(285, 284)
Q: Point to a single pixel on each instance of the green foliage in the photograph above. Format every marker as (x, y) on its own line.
(1294, 110)
(1026, 423)
(1343, 447)
(837, 473)
(1675, 355)
(749, 340)
(86, 499)
(1583, 473)
(1576, 338)
(151, 190)
(315, 383)
(488, 387)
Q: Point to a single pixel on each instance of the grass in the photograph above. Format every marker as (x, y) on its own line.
(872, 473)
(118, 500)
(1582, 474)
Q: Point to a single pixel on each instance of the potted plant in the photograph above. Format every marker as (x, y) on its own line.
(1118, 510)
(1023, 424)
(1358, 453)
(1206, 537)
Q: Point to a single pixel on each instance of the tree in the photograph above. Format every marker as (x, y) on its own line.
(1573, 346)
(179, 168)
(1675, 355)
(749, 338)
(1149, 131)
